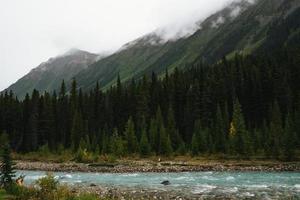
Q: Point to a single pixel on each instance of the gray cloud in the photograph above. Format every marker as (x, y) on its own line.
(34, 30)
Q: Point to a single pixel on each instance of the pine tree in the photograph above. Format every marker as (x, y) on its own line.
(73, 97)
(62, 92)
(172, 131)
(289, 141)
(297, 121)
(195, 144)
(220, 134)
(132, 144)
(153, 135)
(201, 139)
(161, 131)
(144, 144)
(33, 139)
(165, 147)
(64, 120)
(238, 132)
(275, 131)
(118, 147)
(7, 172)
(3, 141)
(77, 131)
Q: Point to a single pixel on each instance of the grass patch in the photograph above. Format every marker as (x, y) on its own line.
(46, 188)
(4, 195)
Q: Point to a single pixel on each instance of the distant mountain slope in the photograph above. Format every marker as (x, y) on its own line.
(49, 75)
(243, 27)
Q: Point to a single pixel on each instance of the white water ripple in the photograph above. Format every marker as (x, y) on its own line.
(200, 189)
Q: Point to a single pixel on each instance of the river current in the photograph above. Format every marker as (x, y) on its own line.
(242, 185)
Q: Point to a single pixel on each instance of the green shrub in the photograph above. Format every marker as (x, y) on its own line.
(112, 158)
(23, 193)
(47, 187)
(87, 197)
(44, 150)
(84, 156)
(47, 183)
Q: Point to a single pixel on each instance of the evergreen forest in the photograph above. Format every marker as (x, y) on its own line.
(242, 106)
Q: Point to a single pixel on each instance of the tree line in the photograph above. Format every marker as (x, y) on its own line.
(245, 106)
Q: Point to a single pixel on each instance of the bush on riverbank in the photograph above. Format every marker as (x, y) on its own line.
(46, 188)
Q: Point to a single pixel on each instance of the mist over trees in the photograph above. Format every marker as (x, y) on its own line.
(245, 106)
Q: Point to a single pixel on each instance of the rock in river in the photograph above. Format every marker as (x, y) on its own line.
(166, 183)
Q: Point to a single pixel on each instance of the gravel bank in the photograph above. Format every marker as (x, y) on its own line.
(156, 167)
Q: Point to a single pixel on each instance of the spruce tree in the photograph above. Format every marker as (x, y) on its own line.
(297, 120)
(3, 141)
(63, 118)
(275, 131)
(144, 144)
(238, 133)
(33, 139)
(220, 134)
(62, 92)
(201, 138)
(77, 131)
(118, 147)
(172, 131)
(153, 135)
(165, 147)
(132, 143)
(195, 144)
(105, 140)
(73, 96)
(289, 141)
(7, 172)
(161, 132)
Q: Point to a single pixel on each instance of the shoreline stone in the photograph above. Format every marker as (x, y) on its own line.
(81, 167)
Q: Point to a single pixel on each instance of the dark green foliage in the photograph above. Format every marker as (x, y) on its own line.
(77, 131)
(118, 146)
(165, 147)
(237, 107)
(289, 140)
(144, 144)
(7, 172)
(153, 135)
(132, 143)
(275, 131)
(195, 144)
(239, 135)
(220, 130)
(172, 131)
(201, 141)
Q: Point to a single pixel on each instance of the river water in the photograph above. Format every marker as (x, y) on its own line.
(242, 185)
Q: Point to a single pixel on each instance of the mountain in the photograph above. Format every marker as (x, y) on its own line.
(49, 75)
(243, 27)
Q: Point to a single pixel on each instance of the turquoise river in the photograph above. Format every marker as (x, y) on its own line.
(241, 185)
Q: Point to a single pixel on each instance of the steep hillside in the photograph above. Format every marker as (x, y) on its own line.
(49, 75)
(242, 27)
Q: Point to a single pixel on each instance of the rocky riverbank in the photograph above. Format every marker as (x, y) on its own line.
(136, 166)
(143, 194)
(183, 194)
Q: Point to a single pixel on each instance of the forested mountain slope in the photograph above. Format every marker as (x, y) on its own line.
(49, 75)
(248, 106)
(243, 27)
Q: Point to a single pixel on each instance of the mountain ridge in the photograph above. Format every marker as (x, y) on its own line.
(242, 27)
(49, 75)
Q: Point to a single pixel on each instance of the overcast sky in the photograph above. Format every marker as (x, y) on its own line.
(31, 31)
